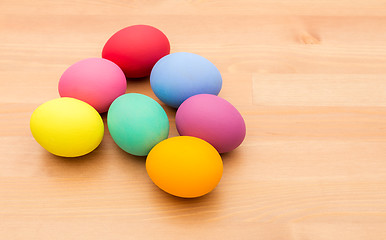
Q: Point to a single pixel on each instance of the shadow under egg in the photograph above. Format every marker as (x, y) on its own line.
(184, 211)
(89, 165)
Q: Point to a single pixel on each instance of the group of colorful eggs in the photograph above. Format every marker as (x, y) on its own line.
(186, 166)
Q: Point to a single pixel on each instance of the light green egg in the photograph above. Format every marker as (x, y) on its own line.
(137, 123)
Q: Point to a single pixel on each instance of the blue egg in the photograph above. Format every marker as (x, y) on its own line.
(178, 76)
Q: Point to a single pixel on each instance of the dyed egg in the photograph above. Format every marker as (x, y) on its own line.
(137, 123)
(96, 81)
(178, 76)
(184, 166)
(136, 49)
(212, 119)
(67, 127)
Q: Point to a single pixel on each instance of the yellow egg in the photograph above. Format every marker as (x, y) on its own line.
(67, 127)
(184, 166)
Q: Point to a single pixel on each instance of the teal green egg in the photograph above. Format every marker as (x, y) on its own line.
(137, 123)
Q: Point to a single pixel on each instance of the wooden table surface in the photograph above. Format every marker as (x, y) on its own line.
(309, 77)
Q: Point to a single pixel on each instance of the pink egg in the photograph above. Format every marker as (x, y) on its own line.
(96, 81)
(212, 119)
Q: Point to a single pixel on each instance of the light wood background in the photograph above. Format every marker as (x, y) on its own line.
(309, 78)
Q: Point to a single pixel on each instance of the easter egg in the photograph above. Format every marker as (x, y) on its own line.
(180, 75)
(96, 81)
(212, 119)
(137, 123)
(184, 166)
(67, 127)
(136, 49)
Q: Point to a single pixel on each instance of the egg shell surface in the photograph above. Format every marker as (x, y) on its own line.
(67, 127)
(180, 75)
(96, 81)
(137, 123)
(212, 119)
(184, 166)
(135, 49)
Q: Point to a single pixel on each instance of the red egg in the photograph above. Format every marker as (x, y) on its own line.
(136, 49)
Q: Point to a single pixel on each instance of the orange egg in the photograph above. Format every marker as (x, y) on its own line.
(185, 166)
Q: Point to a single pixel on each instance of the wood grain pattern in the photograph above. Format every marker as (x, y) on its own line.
(309, 78)
(319, 90)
